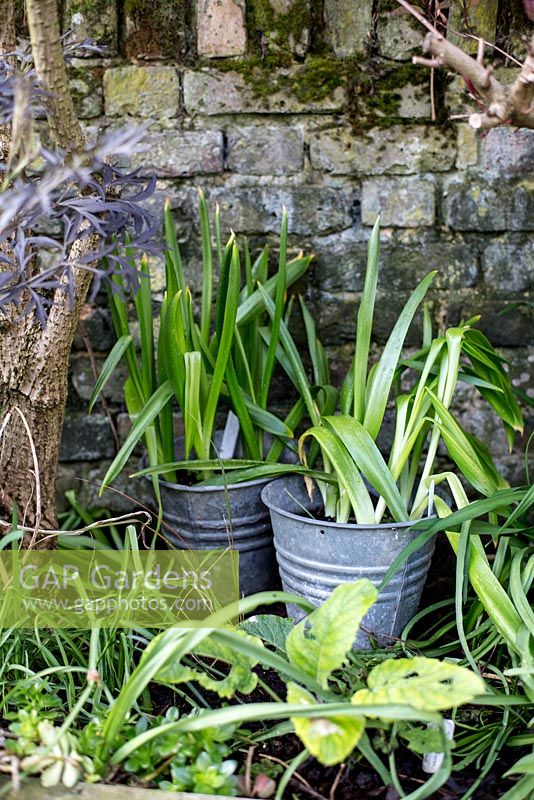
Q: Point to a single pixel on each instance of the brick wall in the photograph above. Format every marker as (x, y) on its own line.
(316, 105)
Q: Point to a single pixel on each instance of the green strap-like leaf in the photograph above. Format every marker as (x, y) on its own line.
(254, 305)
(143, 306)
(109, 366)
(144, 419)
(462, 452)
(276, 319)
(382, 379)
(192, 410)
(364, 323)
(369, 461)
(346, 472)
(224, 347)
(207, 269)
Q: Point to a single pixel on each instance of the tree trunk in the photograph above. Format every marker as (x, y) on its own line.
(34, 359)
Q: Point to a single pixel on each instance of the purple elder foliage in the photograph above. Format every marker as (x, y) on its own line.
(50, 199)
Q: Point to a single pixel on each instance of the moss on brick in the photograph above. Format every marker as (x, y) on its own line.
(282, 31)
(310, 82)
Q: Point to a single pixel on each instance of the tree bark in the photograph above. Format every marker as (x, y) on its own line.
(34, 359)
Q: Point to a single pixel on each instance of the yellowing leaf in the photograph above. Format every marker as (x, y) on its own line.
(319, 644)
(426, 684)
(329, 739)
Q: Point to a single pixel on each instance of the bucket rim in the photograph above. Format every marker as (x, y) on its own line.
(184, 487)
(319, 523)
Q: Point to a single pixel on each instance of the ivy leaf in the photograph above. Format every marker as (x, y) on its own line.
(319, 644)
(240, 678)
(423, 683)
(270, 628)
(330, 739)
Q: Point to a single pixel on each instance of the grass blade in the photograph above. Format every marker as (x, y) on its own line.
(364, 324)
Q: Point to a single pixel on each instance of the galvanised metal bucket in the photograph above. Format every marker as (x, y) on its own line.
(315, 556)
(218, 517)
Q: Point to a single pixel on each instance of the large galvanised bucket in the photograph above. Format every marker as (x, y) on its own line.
(315, 556)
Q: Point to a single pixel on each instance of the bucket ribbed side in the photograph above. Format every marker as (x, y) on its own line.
(215, 518)
(314, 557)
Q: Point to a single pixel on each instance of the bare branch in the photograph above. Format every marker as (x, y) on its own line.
(513, 105)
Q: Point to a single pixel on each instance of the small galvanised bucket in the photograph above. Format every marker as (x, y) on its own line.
(218, 517)
(314, 556)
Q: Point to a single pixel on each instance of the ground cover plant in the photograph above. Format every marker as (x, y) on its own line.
(120, 726)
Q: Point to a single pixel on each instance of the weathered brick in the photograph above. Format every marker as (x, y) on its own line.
(506, 152)
(174, 153)
(217, 92)
(505, 321)
(478, 18)
(97, 327)
(401, 202)
(509, 267)
(348, 30)
(262, 150)
(309, 209)
(155, 30)
(83, 379)
(142, 92)
(475, 207)
(414, 102)
(399, 36)
(394, 150)
(86, 90)
(86, 438)
(336, 315)
(489, 206)
(280, 25)
(221, 28)
(467, 143)
(95, 20)
(340, 261)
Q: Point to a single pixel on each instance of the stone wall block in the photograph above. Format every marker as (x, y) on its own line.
(174, 153)
(467, 142)
(280, 26)
(310, 210)
(96, 20)
(506, 152)
(86, 438)
(394, 150)
(83, 380)
(489, 206)
(217, 92)
(142, 92)
(399, 36)
(509, 267)
(401, 202)
(155, 30)
(262, 150)
(86, 89)
(221, 28)
(348, 29)
(478, 18)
